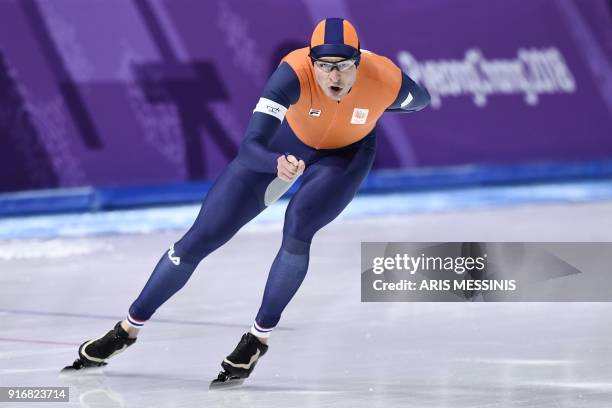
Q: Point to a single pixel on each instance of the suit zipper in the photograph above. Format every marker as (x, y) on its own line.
(330, 125)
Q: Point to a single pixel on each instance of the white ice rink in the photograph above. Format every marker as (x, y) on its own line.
(330, 350)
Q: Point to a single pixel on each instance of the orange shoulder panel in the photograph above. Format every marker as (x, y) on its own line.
(299, 61)
(382, 72)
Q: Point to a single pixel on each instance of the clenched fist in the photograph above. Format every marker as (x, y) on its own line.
(289, 167)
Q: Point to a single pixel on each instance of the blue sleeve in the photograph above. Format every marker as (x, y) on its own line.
(411, 95)
(283, 88)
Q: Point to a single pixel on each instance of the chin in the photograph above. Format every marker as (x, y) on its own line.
(336, 97)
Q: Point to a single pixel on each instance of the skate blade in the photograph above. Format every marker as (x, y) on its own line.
(81, 369)
(225, 380)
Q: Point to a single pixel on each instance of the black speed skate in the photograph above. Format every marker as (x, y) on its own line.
(241, 362)
(93, 353)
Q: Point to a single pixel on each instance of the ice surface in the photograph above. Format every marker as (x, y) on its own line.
(330, 349)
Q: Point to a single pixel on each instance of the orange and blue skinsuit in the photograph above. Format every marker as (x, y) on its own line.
(337, 141)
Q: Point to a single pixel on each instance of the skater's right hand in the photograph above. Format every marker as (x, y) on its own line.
(289, 167)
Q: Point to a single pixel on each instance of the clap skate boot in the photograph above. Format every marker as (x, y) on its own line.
(94, 353)
(241, 362)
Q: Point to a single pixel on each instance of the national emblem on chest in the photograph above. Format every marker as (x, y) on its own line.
(359, 116)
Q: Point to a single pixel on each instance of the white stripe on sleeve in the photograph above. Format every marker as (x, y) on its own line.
(407, 100)
(271, 108)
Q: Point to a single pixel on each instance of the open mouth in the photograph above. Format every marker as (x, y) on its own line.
(335, 89)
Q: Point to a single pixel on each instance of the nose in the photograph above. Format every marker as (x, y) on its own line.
(334, 75)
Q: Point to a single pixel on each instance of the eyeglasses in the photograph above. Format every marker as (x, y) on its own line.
(341, 66)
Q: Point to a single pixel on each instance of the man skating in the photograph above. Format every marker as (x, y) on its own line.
(332, 94)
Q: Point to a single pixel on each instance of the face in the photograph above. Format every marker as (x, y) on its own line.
(335, 84)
